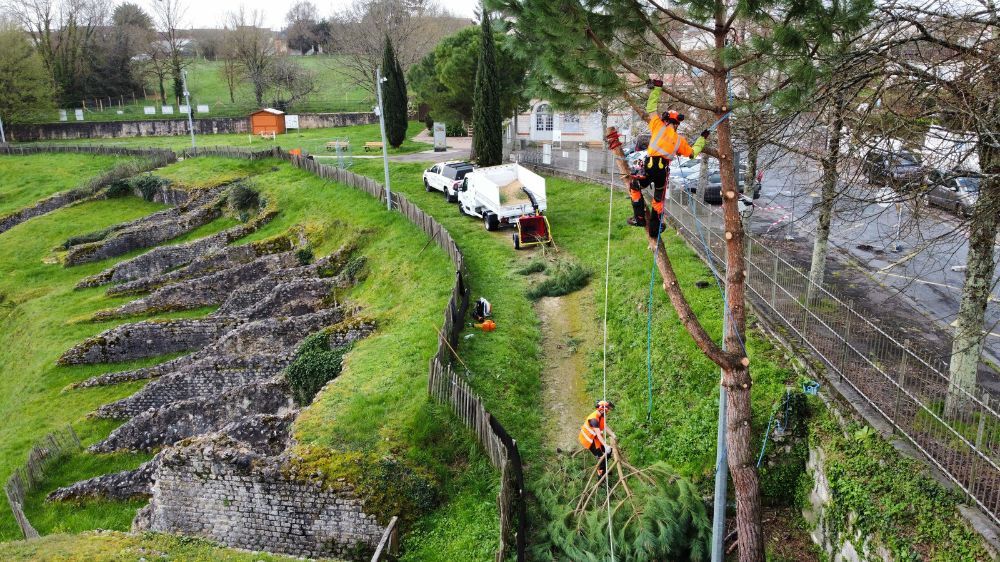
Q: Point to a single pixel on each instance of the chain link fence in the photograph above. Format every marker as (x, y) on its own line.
(958, 431)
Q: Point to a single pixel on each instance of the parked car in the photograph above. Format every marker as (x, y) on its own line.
(447, 177)
(898, 169)
(713, 187)
(956, 190)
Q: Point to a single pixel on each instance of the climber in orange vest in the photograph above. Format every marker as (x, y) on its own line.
(664, 145)
(592, 434)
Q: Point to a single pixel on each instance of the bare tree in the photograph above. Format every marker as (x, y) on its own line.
(945, 61)
(252, 49)
(169, 15)
(62, 32)
(415, 27)
(290, 83)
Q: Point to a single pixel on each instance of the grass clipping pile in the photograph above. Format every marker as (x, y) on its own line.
(655, 514)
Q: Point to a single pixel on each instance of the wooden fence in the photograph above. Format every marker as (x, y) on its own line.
(388, 547)
(54, 446)
(444, 385)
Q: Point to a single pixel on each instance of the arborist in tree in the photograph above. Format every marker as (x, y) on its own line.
(593, 431)
(664, 145)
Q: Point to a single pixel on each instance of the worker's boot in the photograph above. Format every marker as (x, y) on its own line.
(638, 217)
(653, 225)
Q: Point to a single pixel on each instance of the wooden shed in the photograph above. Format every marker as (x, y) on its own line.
(267, 121)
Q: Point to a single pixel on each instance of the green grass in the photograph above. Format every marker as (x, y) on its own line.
(334, 93)
(311, 140)
(28, 179)
(107, 545)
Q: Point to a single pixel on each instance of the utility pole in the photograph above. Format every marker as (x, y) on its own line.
(721, 454)
(385, 145)
(187, 100)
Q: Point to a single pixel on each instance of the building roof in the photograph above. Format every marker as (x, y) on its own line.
(270, 110)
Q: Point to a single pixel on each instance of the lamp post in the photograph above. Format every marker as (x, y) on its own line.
(379, 80)
(187, 100)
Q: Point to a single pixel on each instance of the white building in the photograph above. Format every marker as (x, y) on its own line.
(542, 124)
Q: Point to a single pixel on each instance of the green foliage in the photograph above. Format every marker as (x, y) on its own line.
(244, 198)
(148, 185)
(304, 256)
(882, 494)
(487, 116)
(568, 277)
(394, 100)
(455, 130)
(315, 364)
(442, 78)
(25, 87)
(663, 519)
(534, 266)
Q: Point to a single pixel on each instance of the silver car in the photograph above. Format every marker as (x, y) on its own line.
(955, 191)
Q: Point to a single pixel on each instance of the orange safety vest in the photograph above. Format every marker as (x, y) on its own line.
(664, 140)
(591, 428)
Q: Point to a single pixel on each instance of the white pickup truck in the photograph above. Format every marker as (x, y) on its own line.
(500, 195)
(446, 177)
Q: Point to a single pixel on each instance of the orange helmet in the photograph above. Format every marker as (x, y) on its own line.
(604, 406)
(674, 116)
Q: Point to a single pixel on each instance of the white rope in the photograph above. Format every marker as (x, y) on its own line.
(607, 280)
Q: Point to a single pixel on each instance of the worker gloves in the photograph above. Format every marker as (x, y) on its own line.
(651, 83)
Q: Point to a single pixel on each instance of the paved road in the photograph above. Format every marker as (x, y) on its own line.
(917, 263)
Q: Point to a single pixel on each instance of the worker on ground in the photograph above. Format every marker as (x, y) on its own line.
(664, 145)
(592, 434)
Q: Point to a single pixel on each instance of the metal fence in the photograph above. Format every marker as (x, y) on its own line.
(906, 388)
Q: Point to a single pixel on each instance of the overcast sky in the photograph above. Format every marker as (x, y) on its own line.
(211, 13)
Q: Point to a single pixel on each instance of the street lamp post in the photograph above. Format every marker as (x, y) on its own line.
(385, 147)
(187, 100)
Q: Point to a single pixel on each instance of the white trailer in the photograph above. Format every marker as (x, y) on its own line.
(500, 195)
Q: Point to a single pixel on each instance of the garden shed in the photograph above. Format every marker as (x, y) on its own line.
(267, 121)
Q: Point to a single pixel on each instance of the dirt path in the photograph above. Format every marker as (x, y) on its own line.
(568, 331)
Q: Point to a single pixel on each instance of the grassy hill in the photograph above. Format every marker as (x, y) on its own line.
(334, 93)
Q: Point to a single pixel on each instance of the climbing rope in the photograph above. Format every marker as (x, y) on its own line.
(607, 281)
(780, 426)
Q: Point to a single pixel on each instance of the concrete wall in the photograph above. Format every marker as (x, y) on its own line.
(171, 127)
(230, 494)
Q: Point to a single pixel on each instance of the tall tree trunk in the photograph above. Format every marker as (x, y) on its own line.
(736, 379)
(829, 163)
(981, 266)
(163, 91)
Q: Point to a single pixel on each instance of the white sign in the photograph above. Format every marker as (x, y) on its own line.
(120, 112)
(149, 110)
(202, 109)
(79, 114)
(583, 160)
(546, 154)
(183, 109)
(62, 115)
(167, 109)
(440, 137)
(291, 121)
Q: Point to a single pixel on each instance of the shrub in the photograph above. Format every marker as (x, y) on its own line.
(304, 255)
(315, 364)
(568, 277)
(119, 188)
(429, 122)
(534, 266)
(455, 130)
(243, 197)
(148, 185)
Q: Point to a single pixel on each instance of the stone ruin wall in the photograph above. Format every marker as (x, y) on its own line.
(226, 492)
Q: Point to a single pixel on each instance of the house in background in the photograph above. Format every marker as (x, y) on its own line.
(542, 124)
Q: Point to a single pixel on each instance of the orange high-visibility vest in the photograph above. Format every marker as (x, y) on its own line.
(591, 428)
(664, 140)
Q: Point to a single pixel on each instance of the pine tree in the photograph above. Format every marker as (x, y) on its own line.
(393, 96)
(487, 118)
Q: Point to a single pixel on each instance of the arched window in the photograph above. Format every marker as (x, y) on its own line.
(543, 117)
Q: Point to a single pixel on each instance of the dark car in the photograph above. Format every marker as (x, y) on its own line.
(713, 187)
(898, 168)
(955, 190)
